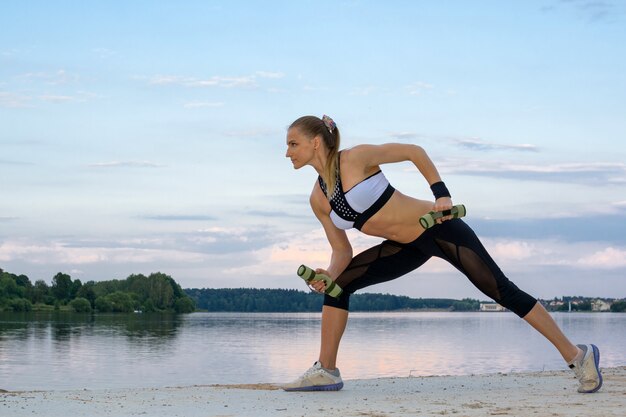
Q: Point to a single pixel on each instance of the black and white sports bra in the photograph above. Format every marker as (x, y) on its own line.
(357, 205)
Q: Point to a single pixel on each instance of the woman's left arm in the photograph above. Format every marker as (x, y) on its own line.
(373, 155)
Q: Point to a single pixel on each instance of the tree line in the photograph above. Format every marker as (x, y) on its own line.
(285, 300)
(157, 292)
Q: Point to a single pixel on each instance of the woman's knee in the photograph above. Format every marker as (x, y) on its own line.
(342, 302)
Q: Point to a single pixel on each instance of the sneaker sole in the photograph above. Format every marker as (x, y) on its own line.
(596, 359)
(331, 387)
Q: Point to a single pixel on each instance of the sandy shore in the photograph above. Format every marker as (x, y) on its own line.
(528, 394)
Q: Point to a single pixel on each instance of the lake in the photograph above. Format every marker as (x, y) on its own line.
(71, 351)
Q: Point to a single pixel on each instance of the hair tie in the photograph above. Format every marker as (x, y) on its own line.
(330, 123)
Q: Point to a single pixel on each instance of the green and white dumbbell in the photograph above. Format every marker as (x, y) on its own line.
(430, 219)
(309, 276)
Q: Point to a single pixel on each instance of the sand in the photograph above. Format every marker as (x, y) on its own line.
(550, 393)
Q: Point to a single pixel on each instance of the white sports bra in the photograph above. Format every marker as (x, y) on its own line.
(354, 207)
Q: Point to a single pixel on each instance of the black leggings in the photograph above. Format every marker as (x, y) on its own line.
(454, 241)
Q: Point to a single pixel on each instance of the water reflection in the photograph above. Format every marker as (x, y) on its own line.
(55, 351)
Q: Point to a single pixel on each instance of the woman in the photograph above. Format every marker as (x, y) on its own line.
(351, 191)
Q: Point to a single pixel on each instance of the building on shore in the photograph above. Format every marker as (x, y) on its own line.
(491, 307)
(600, 305)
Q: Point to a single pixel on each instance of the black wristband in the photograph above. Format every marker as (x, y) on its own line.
(439, 190)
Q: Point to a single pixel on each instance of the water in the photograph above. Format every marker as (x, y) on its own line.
(70, 351)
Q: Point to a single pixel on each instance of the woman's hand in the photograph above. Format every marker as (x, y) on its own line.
(319, 286)
(443, 203)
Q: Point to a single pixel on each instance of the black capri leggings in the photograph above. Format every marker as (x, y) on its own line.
(454, 241)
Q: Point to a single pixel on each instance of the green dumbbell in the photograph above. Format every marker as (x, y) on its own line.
(429, 219)
(309, 275)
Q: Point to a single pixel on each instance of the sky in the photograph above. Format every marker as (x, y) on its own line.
(144, 136)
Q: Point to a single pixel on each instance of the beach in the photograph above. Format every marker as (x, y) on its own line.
(549, 393)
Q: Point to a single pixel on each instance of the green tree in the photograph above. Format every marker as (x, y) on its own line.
(81, 305)
(618, 307)
(74, 288)
(120, 302)
(184, 305)
(20, 304)
(62, 287)
(41, 292)
(88, 291)
(103, 305)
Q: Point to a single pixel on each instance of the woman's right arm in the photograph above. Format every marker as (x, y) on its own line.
(339, 243)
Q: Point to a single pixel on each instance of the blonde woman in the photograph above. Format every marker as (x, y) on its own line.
(351, 191)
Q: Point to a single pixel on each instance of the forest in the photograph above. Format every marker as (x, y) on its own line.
(157, 292)
(284, 300)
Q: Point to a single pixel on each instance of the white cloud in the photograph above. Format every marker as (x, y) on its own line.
(58, 98)
(202, 104)
(418, 88)
(596, 173)
(55, 253)
(104, 53)
(13, 100)
(481, 145)
(126, 164)
(363, 91)
(607, 258)
(273, 75)
(59, 77)
(248, 81)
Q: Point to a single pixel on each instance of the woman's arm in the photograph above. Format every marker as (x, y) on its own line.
(337, 238)
(374, 155)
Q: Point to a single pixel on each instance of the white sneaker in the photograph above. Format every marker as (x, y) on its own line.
(316, 378)
(588, 369)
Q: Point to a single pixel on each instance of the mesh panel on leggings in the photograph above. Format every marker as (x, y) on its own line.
(361, 263)
(469, 263)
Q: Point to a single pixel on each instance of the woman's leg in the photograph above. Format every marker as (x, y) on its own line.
(384, 262)
(333, 324)
(543, 322)
(455, 242)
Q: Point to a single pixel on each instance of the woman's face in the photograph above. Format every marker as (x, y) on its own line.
(300, 149)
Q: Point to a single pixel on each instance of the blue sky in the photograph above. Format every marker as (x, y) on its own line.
(143, 136)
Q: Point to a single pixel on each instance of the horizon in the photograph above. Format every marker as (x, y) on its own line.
(150, 136)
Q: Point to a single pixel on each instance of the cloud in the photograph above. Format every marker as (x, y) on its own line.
(215, 81)
(17, 100)
(58, 98)
(202, 104)
(55, 253)
(608, 226)
(254, 133)
(481, 145)
(104, 53)
(594, 10)
(60, 77)
(608, 258)
(8, 219)
(475, 144)
(273, 75)
(13, 100)
(178, 217)
(598, 173)
(277, 213)
(126, 164)
(418, 88)
(363, 91)
(8, 162)
(163, 251)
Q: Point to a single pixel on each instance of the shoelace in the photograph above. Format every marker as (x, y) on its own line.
(582, 373)
(312, 370)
